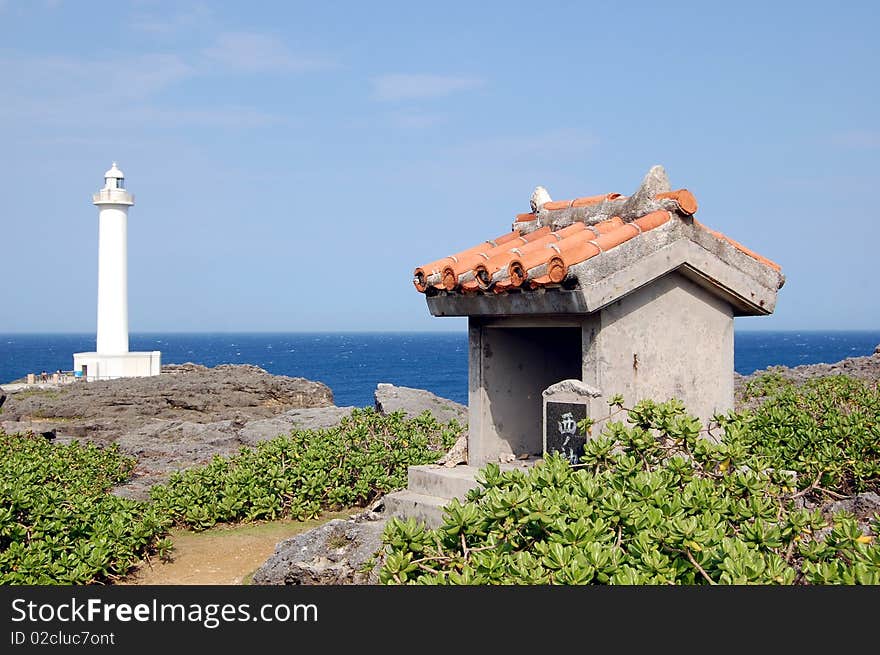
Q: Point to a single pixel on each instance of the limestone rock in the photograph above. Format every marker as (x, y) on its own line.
(332, 554)
(309, 418)
(863, 506)
(457, 454)
(573, 387)
(189, 392)
(178, 419)
(412, 402)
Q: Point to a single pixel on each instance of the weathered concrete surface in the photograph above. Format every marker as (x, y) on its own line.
(643, 201)
(509, 369)
(412, 402)
(332, 554)
(180, 418)
(431, 487)
(406, 504)
(672, 339)
(669, 339)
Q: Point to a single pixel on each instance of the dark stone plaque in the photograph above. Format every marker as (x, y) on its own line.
(563, 435)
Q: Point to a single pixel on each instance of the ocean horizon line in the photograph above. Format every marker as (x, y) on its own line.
(459, 331)
(352, 363)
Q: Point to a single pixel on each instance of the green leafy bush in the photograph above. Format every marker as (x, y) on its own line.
(306, 472)
(58, 524)
(766, 385)
(656, 503)
(827, 430)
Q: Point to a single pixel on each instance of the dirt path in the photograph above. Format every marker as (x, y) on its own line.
(225, 555)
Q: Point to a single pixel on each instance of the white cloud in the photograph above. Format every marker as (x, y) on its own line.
(124, 89)
(408, 86)
(114, 77)
(250, 52)
(246, 117)
(166, 23)
(553, 143)
(91, 93)
(415, 119)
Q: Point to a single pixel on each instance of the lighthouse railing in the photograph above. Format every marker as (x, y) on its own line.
(113, 195)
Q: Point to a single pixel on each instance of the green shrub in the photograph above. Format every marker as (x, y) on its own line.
(766, 385)
(827, 430)
(58, 524)
(306, 472)
(656, 503)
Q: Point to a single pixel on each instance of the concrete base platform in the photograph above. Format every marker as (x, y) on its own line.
(407, 504)
(431, 487)
(101, 366)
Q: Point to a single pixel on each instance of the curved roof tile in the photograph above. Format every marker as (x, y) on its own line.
(533, 257)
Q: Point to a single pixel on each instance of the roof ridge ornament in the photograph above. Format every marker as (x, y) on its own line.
(644, 200)
(539, 198)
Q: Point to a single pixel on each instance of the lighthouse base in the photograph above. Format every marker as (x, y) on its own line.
(98, 366)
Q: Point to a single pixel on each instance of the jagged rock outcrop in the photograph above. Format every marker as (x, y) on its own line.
(181, 392)
(456, 455)
(332, 554)
(309, 418)
(177, 419)
(412, 402)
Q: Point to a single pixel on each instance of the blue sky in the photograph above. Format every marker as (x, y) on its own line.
(293, 162)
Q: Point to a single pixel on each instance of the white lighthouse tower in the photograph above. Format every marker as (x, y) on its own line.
(112, 358)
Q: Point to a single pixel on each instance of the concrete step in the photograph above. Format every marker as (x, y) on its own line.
(454, 482)
(423, 508)
(431, 487)
(433, 480)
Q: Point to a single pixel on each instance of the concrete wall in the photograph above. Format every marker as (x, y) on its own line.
(669, 339)
(510, 363)
(128, 365)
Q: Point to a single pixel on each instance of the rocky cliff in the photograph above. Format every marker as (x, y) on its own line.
(182, 417)
(190, 413)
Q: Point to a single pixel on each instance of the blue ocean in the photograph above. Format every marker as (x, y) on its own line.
(351, 364)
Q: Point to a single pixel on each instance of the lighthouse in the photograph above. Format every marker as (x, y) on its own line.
(112, 358)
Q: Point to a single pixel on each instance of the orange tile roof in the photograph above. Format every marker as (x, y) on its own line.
(542, 256)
